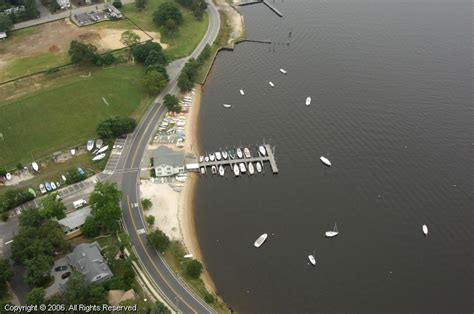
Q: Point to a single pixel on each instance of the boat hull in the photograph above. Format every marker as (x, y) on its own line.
(261, 239)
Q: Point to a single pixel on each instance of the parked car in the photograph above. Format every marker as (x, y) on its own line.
(60, 268)
(79, 203)
(66, 274)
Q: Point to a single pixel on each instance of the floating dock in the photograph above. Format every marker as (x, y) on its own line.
(270, 157)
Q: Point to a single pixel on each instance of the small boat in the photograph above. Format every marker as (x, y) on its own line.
(251, 168)
(240, 155)
(214, 169)
(99, 143)
(90, 145)
(242, 167)
(259, 167)
(63, 177)
(8, 176)
(102, 150)
(247, 152)
(312, 260)
(99, 157)
(221, 171)
(232, 154)
(308, 101)
(42, 189)
(283, 71)
(236, 170)
(35, 166)
(218, 156)
(227, 106)
(53, 185)
(333, 233)
(261, 239)
(212, 157)
(73, 151)
(203, 170)
(48, 186)
(188, 256)
(206, 159)
(225, 155)
(425, 230)
(201, 158)
(271, 84)
(325, 161)
(242, 92)
(262, 150)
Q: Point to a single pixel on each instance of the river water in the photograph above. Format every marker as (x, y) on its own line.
(391, 88)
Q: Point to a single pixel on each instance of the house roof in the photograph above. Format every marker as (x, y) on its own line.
(75, 220)
(164, 155)
(86, 259)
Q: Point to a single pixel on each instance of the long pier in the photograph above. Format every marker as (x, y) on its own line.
(270, 157)
(265, 2)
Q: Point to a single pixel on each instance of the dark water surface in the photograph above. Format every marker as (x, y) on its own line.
(391, 84)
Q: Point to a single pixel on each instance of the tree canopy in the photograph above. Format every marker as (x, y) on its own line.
(6, 23)
(194, 269)
(5, 274)
(115, 127)
(82, 53)
(167, 11)
(197, 6)
(129, 38)
(172, 103)
(154, 82)
(141, 52)
(52, 206)
(105, 208)
(158, 240)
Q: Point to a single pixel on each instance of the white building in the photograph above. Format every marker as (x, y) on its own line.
(64, 4)
(167, 162)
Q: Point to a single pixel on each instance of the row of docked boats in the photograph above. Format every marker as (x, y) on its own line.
(237, 168)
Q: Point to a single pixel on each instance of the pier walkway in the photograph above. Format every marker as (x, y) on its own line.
(265, 2)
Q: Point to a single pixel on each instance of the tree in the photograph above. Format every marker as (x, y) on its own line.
(170, 26)
(205, 54)
(38, 269)
(159, 308)
(188, 74)
(167, 11)
(154, 57)
(184, 83)
(194, 269)
(3, 171)
(19, 166)
(52, 207)
(106, 59)
(31, 218)
(154, 82)
(129, 38)
(82, 53)
(209, 298)
(146, 203)
(6, 23)
(36, 296)
(140, 4)
(158, 240)
(115, 127)
(31, 10)
(172, 103)
(77, 291)
(5, 273)
(150, 220)
(117, 4)
(104, 203)
(157, 67)
(90, 228)
(141, 52)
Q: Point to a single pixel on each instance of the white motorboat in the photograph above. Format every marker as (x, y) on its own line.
(35, 166)
(271, 84)
(283, 71)
(325, 161)
(90, 145)
(247, 152)
(242, 167)
(212, 157)
(73, 151)
(53, 185)
(262, 150)
(42, 189)
(333, 233)
(8, 176)
(214, 169)
(218, 156)
(206, 159)
(225, 155)
(312, 260)
(227, 106)
(201, 158)
(259, 167)
(308, 101)
(242, 92)
(221, 170)
(63, 177)
(261, 239)
(240, 155)
(99, 143)
(425, 230)
(236, 170)
(251, 168)
(102, 150)
(98, 157)
(203, 170)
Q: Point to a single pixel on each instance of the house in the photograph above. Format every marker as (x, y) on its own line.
(167, 162)
(73, 222)
(114, 12)
(87, 259)
(3, 35)
(64, 4)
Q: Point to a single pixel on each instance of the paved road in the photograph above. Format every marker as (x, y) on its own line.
(173, 289)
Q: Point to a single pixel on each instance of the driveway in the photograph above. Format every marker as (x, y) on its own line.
(55, 286)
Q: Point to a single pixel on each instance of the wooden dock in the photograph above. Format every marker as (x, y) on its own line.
(271, 7)
(270, 157)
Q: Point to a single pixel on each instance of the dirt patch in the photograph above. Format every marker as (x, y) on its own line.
(110, 38)
(89, 37)
(54, 49)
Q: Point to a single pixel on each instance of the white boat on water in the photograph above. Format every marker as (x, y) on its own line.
(312, 260)
(242, 167)
(271, 84)
(333, 233)
(8, 176)
(212, 157)
(261, 239)
(73, 151)
(221, 170)
(90, 145)
(262, 150)
(259, 167)
(214, 169)
(251, 168)
(242, 92)
(218, 156)
(227, 106)
(225, 155)
(247, 152)
(102, 150)
(206, 158)
(283, 71)
(203, 170)
(425, 229)
(325, 161)
(98, 157)
(35, 166)
(236, 170)
(308, 101)
(240, 155)
(99, 143)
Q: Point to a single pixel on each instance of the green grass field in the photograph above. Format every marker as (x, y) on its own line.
(67, 113)
(28, 65)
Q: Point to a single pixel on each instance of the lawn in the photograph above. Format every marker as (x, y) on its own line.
(28, 65)
(66, 114)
